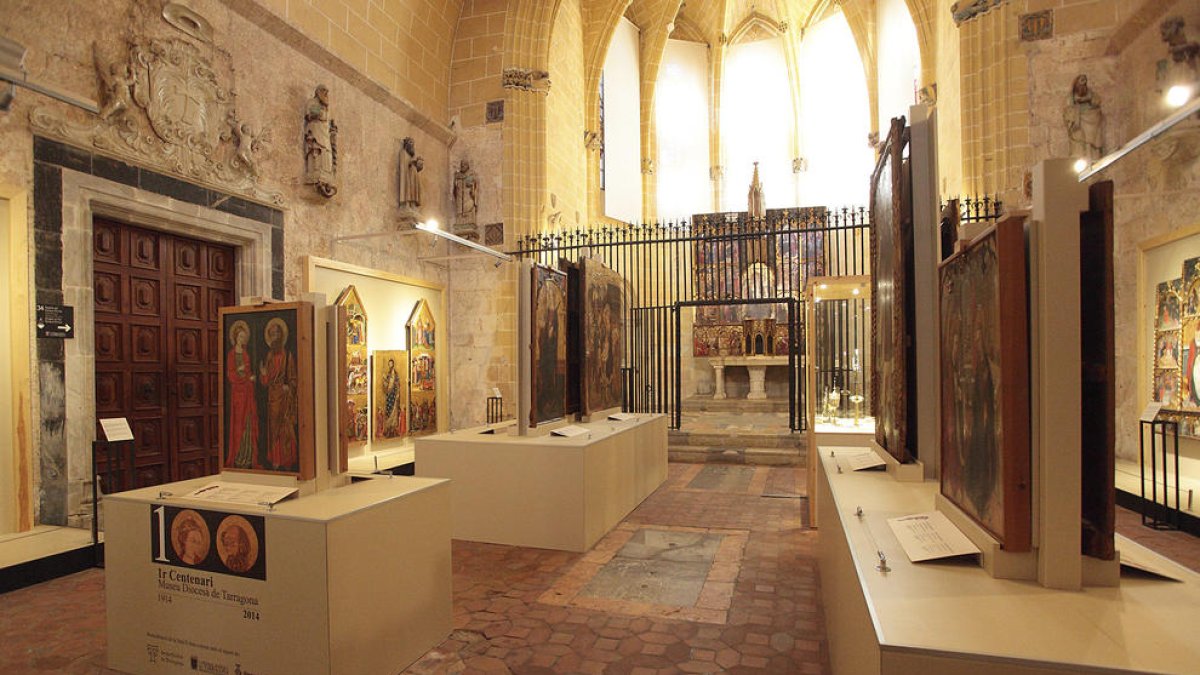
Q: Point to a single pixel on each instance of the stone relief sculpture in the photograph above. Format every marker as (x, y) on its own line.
(164, 104)
(1182, 50)
(411, 165)
(116, 83)
(320, 144)
(248, 142)
(466, 194)
(1084, 121)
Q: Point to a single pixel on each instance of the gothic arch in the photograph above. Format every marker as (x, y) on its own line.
(755, 26)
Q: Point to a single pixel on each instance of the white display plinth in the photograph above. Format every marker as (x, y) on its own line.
(547, 491)
(357, 580)
(952, 617)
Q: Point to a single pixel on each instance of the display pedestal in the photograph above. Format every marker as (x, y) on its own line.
(547, 491)
(356, 580)
(952, 617)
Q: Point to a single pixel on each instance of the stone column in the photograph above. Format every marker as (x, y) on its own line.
(758, 382)
(719, 377)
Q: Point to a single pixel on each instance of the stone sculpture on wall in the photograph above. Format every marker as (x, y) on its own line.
(164, 104)
(1182, 50)
(411, 165)
(320, 144)
(466, 194)
(1084, 121)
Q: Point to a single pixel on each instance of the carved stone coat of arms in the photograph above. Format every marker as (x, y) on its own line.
(167, 108)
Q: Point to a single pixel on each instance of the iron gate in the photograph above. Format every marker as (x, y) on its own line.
(715, 265)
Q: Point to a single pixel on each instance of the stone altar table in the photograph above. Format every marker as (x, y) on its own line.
(755, 365)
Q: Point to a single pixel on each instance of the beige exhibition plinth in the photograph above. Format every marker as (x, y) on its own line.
(357, 582)
(953, 618)
(547, 491)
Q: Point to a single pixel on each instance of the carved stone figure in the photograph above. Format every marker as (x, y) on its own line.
(1181, 49)
(466, 194)
(1084, 121)
(756, 202)
(411, 165)
(116, 81)
(320, 144)
(248, 142)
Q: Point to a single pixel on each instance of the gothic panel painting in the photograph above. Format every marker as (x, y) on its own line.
(549, 348)
(266, 394)
(390, 400)
(353, 374)
(891, 297)
(422, 371)
(985, 384)
(603, 322)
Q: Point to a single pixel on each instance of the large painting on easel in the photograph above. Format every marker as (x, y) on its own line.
(892, 354)
(353, 373)
(390, 394)
(266, 393)
(603, 322)
(549, 345)
(985, 455)
(422, 371)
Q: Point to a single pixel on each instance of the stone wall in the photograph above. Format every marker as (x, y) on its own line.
(273, 69)
(403, 45)
(566, 167)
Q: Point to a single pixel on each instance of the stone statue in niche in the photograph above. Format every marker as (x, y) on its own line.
(320, 144)
(411, 165)
(756, 208)
(1084, 121)
(466, 194)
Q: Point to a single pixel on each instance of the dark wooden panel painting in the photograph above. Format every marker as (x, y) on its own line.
(892, 354)
(1099, 393)
(549, 348)
(984, 337)
(603, 312)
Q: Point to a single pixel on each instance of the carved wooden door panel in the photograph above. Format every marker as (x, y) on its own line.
(156, 300)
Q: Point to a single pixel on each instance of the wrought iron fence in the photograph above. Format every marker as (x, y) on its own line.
(709, 271)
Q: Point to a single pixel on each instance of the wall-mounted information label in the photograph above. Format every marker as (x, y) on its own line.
(55, 321)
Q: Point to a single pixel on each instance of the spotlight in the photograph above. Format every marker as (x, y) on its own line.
(1081, 165)
(1178, 95)
(855, 291)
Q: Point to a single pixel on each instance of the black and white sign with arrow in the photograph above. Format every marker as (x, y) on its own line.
(55, 321)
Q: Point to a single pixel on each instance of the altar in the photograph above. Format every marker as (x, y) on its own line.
(755, 365)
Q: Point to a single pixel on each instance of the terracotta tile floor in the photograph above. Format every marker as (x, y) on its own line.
(537, 611)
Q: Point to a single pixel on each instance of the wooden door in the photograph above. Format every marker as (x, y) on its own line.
(157, 339)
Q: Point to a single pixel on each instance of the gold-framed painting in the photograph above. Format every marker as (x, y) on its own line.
(549, 345)
(603, 325)
(422, 371)
(984, 345)
(266, 392)
(389, 400)
(354, 417)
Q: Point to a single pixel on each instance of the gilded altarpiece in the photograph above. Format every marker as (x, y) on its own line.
(422, 371)
(1176, 347)
(353, 373)
(389, 400)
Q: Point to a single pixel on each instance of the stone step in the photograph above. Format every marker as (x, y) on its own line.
(729, 455)
(736, 439)
(734, 405)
